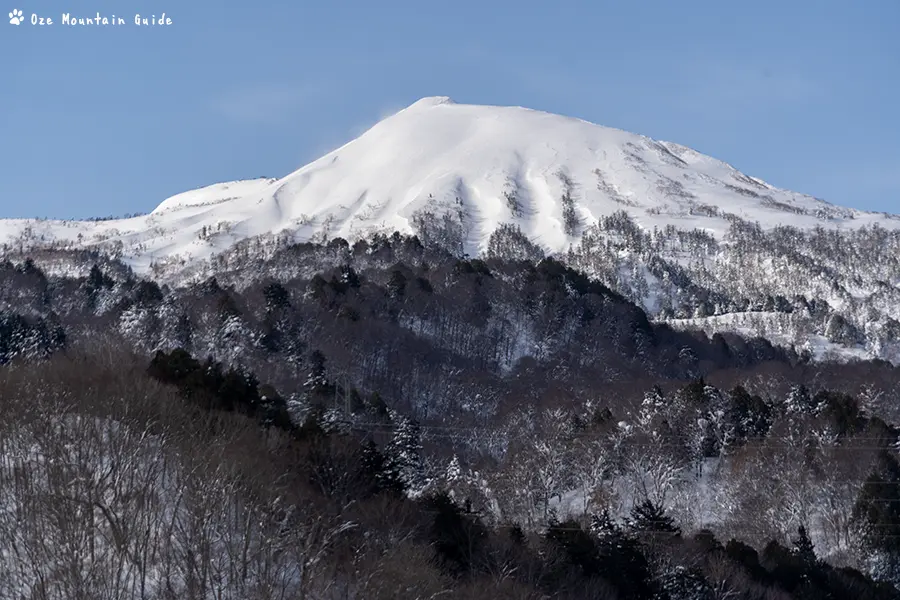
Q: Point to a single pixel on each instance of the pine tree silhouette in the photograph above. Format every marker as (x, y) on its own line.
(648, 517)
(803, 547)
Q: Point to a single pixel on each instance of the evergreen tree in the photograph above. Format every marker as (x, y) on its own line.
(174, 326)
(349, 277)
(374, 463)
(454, 472)
(803, 548)
(378, 408)
(654, 404)
(603, 526)
(276, 296)
(97, 281)
(749, 416)
(404, 453)
(317, 389)
(648, 517)
(227, 308)
(456, 537)
(800, 401)
(273, 409)
(147, 294)
(397, 284)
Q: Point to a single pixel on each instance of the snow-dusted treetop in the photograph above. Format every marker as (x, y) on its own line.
(486, 165)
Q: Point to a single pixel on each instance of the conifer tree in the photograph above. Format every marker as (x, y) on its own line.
(276, 296)
(603, 526)
(374, 463)
(803, 547)
(397, 284)
(800, 400)
(454, 472)
(648, 517)
(316, 387)
(404, 453)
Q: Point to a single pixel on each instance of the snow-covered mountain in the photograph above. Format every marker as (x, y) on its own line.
(488, 165)
(687, 236)
(486, 392)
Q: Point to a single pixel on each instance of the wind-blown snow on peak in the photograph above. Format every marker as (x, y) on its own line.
(481, 166)
(431, 101)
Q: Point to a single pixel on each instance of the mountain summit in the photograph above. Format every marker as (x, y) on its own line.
(477, 167)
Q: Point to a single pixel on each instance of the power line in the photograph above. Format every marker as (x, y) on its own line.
(665, 441)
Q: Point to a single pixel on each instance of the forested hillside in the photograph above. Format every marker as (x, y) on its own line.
(388, 420)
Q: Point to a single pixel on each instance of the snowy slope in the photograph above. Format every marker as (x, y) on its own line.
(441, 156)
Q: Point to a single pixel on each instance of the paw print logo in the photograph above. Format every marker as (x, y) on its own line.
(16, 17)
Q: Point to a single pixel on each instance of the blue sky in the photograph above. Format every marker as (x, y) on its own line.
(112, 120)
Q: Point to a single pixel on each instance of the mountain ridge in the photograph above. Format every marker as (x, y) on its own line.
(482, 165)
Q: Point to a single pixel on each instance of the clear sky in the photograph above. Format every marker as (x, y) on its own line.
(110, 120)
